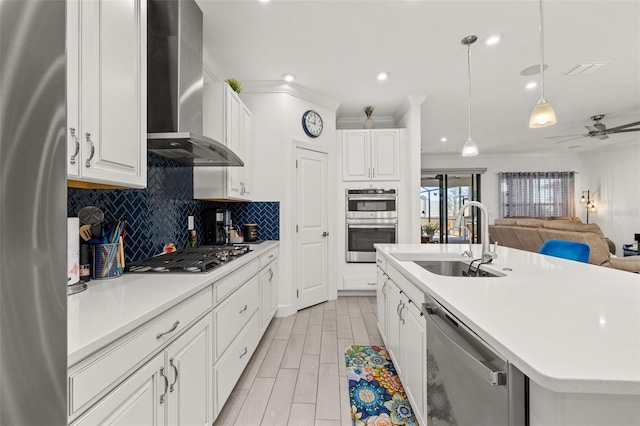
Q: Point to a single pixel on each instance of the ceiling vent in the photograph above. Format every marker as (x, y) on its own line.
(584, 69)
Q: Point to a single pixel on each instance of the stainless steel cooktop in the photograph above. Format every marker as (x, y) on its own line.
(193, 259)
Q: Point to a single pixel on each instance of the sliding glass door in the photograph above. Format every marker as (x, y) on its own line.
(442, 196)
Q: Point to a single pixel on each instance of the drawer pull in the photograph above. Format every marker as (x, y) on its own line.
(175, 325)
(166, 385)
(372, 283)
(175, 370)
(271, 256)
(245, 352)
(243, 309)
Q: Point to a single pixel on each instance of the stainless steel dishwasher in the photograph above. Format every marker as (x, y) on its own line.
(468, 382)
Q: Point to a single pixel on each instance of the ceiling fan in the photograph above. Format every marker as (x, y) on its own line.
(599, 130)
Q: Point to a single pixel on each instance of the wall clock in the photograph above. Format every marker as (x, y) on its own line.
(312, 123)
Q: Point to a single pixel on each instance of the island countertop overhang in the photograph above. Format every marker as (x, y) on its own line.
(570, 327)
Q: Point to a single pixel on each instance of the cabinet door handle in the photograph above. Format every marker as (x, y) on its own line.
(166, 385)
(400, 314)
(373, 174)
(173, 328)
(175, 370)
(244, 353)
(271, 274)
(398, 309)
(75, 138)
(384, 285)
(243, 309)
(369, 172)
(93, 150)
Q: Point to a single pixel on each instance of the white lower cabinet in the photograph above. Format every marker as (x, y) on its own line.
(180, 367)
(190, 397)
(134, 402)
(268, 294)
(395, 326)
(382, 305)
(415, 357)
(406, 334)
(173, 388)
(240, 319)
(228, 369)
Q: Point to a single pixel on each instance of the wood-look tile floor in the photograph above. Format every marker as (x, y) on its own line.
(297, 375)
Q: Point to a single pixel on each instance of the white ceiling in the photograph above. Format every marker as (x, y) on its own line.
(336, 47)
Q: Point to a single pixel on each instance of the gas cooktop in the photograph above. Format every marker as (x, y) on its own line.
(192, 259)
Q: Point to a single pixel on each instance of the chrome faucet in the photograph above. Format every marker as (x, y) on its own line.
(487, 254)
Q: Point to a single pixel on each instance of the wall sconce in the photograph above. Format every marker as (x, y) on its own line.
(590, 205)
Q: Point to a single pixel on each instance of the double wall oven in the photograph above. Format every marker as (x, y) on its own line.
(371, 218)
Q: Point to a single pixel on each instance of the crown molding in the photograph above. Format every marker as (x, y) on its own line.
(278, 86)
(381, 122)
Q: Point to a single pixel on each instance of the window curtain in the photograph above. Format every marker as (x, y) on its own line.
(538, 194)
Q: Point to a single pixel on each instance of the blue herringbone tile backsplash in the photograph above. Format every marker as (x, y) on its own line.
(158, 214)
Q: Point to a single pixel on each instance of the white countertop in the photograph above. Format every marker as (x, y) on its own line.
(569, 326)
(109, 309)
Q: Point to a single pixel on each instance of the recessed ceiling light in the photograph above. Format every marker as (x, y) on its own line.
(531, 85)
(443, 139)
(288, 76)
(493, 39)
(382, 75)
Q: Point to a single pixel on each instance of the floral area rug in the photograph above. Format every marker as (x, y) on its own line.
(376, 394)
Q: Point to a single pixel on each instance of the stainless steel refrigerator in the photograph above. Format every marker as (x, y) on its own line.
(33, 198)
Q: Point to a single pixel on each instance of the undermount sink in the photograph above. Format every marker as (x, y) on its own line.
(403, 257)
(455, 268)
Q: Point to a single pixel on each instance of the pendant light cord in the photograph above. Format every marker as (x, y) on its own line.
(541, 54)
(469, 84)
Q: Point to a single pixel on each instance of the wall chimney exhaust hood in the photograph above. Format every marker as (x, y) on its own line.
(174, 87)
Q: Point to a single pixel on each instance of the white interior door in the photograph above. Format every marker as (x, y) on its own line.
(312, 227)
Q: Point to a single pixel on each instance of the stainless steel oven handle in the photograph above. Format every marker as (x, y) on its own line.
(371, 226)
(372, 197)
(495, 378)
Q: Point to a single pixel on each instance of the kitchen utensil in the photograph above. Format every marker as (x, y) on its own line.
(85, 232)
(103, 261)
(90, 215)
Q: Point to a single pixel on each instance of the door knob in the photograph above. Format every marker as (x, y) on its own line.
(325, 234)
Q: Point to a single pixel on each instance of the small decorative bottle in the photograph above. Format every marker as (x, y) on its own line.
(368, 122)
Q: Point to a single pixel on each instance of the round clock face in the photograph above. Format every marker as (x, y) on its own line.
(312, 123)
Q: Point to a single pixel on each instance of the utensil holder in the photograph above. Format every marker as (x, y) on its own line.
(105, 261)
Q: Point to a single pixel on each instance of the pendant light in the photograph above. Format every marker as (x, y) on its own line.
(542, 115)
(470, 148)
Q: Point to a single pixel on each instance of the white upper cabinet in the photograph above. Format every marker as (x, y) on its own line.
(369, 155)
(229, 121)
(107, 92)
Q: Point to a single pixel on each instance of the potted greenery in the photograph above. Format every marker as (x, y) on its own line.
(428, 230)
(235, 84)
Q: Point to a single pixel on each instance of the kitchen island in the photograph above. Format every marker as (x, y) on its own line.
(572, 328)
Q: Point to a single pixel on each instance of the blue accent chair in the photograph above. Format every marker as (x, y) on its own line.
(566, 250)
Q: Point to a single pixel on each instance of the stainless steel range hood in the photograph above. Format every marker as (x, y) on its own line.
(174, 86)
